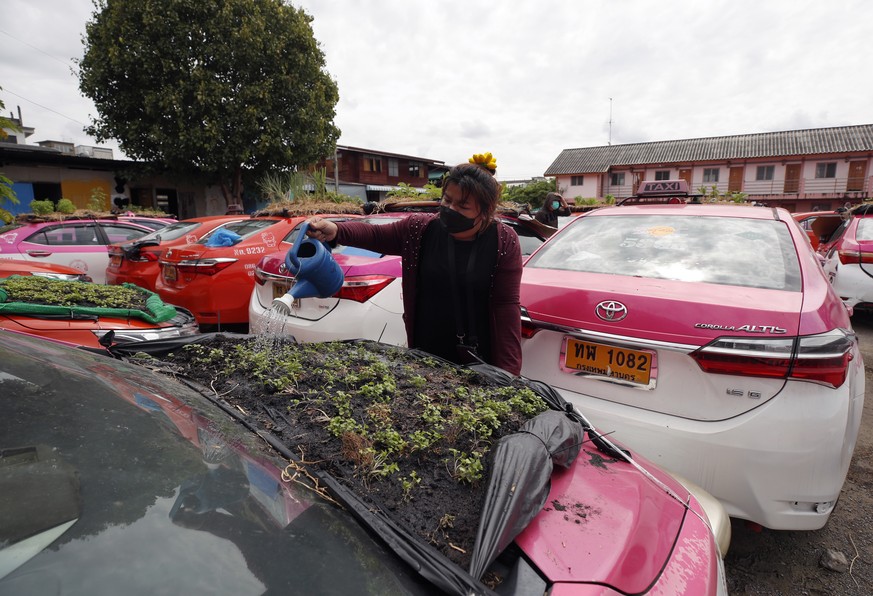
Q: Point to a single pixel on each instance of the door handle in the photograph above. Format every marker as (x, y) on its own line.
(39, 253)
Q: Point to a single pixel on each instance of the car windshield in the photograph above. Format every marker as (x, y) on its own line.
(173, 231)
(722, 250)
(96, 469)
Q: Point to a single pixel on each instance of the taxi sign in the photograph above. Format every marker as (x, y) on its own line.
(660, 188)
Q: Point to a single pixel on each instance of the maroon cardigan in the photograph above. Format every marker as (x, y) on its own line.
(404, 238)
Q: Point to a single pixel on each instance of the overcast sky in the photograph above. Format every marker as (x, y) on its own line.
(523, 79)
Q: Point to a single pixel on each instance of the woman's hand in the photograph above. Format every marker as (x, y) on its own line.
(321, 229)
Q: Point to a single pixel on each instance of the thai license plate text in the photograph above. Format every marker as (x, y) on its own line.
(634, 366)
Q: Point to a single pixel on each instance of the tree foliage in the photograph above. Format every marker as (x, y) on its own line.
(216, 88)
(533, 194)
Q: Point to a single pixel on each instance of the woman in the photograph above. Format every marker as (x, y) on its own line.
(461, 270)
(553, 206)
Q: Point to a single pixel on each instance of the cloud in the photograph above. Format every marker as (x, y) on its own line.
(523, 80)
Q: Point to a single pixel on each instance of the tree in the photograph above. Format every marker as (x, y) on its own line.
(215, 88)
(6, 191)
(533, 193)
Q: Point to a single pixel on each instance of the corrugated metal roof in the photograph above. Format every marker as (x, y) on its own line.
(839, 139)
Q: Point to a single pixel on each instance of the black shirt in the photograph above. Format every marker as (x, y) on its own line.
(436, 319)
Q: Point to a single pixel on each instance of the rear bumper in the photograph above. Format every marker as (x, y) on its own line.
(348, 320)
(781, 465)
(853, 285)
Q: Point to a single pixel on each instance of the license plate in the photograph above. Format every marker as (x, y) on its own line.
(115, 261)
(603, 360)
(170, 273)
(280, 289)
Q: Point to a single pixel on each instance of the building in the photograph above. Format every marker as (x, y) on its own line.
(56, 169)
(800, 170)
(369, 174)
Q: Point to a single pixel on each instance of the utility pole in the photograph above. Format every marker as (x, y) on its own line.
(610, 121)
(335, 170)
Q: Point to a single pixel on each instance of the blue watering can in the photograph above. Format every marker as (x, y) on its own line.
(314, 269)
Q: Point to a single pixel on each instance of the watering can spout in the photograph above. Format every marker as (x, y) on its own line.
(315, 271)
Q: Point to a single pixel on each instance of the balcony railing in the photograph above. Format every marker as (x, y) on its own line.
(807, 186)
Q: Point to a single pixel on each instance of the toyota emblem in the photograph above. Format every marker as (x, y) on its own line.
(611, 311)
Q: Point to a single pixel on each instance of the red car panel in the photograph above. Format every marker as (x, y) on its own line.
(136, 261)
(215, 282)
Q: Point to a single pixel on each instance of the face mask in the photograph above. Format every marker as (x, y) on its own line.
(454, 222)
(555, 205)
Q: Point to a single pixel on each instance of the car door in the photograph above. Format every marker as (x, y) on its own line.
(82, 245)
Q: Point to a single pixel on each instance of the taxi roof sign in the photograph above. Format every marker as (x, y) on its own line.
(662, 188)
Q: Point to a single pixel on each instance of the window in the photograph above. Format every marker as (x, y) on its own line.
(393, 168)
(616, 179)
(577, 180)
(826, 170)
(372, 163)
(415, 169)
(710, 174)
(662, 175)
(764, 173)
(624, 245)
(67, 235)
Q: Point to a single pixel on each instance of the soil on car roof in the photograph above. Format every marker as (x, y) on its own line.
(834, 561)
(404, 431)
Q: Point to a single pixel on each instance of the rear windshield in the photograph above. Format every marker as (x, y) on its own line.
(720, 250)
(173, 231)
(244, 228)
(865, 229)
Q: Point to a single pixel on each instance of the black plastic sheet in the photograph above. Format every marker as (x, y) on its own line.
(520, 481)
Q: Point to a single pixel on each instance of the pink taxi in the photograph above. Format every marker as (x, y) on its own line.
(708, 338)
(78, 243)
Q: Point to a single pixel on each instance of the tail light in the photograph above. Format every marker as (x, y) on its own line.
(143, 256)
(204, 266)
(260, 277)
(822, 358)
(363, 287)
(528, 329)
(854, 257)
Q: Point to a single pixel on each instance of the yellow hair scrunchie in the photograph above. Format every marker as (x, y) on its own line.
(484, 159)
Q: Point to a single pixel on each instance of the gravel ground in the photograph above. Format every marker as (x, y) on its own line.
(767, 562)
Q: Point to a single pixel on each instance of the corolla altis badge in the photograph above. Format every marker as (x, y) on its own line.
(610, 311)
(747, 328)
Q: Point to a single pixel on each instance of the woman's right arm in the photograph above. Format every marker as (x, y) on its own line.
(385, 239)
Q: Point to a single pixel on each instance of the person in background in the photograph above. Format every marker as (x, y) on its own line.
(461, 269)
(553, 206)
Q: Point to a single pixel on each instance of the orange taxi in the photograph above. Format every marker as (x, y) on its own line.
(75, 321)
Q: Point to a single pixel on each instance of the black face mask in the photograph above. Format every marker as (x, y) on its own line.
(454, 222)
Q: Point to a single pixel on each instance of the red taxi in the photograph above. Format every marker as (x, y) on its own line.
(136, 261)
(214, 277)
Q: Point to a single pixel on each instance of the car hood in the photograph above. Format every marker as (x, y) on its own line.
(657, 309)
(603, 507)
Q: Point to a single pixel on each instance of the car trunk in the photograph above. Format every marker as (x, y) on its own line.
(316, 308)
(642, 357)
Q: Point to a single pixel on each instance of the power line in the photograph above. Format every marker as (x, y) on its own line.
(44, 107)
(66, 63)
